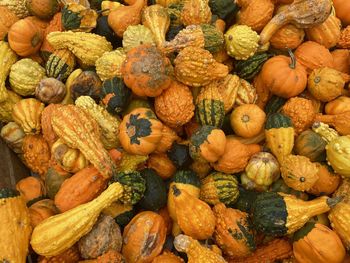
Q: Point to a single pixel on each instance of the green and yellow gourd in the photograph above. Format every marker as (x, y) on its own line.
(248, 69)
(78, 18)
(121, 213)
(241, 42)
(7, 106)
(224, 9)
(210, 108)
(60, 64)
(109, 64)
(274, 104)
(278, 214)
(311, 145)
(219, 188)
(137, 35)
(7, 58)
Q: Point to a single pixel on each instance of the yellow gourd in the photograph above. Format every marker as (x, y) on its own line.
(7, 58)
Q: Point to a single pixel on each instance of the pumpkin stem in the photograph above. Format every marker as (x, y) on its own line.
(292, 57)
(176, 190)
(331, 202)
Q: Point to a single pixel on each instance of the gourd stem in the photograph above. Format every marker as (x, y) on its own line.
(176, 190)
(292, 57)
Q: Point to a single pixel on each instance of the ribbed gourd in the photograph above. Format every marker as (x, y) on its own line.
(25, 76)
(109, 64)
(109, 124)
(77, 17)
(87, 47)
(248, 69)
(60, 64)
(241, 42)
(137, 35)
(7, 58)
(7, 106)
(339, 217)
(13, 135)
(16, 6)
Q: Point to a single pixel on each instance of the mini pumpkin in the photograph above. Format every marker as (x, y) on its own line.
(43, 9)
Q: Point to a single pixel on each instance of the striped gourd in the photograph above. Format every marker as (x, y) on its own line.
(60, 64)
(247, 69)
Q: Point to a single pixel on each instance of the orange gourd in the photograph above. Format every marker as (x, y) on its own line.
(342, 10)
(341, 121)
(46, 127)
(341, 60)
(169, 136)
(344, 40)
(55, 25)
(327, 181)
(338, 106)
(31, 188)
(288, 36)
(161, 163)
(167, 257)
(41, 210)
(7, 19)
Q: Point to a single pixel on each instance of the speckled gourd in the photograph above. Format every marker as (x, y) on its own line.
(136, 35)
(109, 64)
(16, 6)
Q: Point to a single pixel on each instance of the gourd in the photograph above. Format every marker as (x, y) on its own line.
(161, 163)
(196, 253)
(7, 106)
(157, 19)
(13, 135)
(54, 25)
(50, 90)
(25, 75)
(229, 87)
(246, 93)
(7, 58)
(233, 232)
(121, 213)
(143, 237)
(140, 131)
(262, 91)
(87, 47)
(255, 14)
(42, 9)
(310, 145)
(247, 120)
(109, 6)
(135, 36)
(103, 29)
(263, 169)
(236, 156)
(223, 9)
(25, 38)
(279, 214)
(109, 124)
(16, 228)
(167, 257)
(54, 178)
(109, 64)
(130, 162)
(344, 40)
(70, 255)
(301, 111)
(219, 188)
(313, 56)
(125, 16)
(196, 67)
(298, 172)
(241, 42)
(341, 60)
(327, 33)
(41, 210)
(7, 19)
(51, 236)
(77, 17)
(338, 106)
(104, 236)
(196, 12)
(87, 83)
(60, 64)
(342, 9)
(207, 143)
(288, 36)
(46, 127)
(284, 76)
(302, 13)
(339, 218)
(308, 248)
(279, 133)
(248, 69)
(327, 182)
(146, 71)
(36, 153)
(169, 136)
(31, 188)
(339, 121)
(175, 105)
(80, 131)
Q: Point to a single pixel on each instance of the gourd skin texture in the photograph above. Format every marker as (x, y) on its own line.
(339, 217)
(7, 58)
(7, 106)
(288, 36)
(13, 135)
(109, 64)
(135, 36)
(338, 155)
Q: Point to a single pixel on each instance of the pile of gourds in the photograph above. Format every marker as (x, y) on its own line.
(198, 131)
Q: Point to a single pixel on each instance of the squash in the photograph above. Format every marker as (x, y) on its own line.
(13, 136)
(196, 253)
(131, 162)
(140, 131)
(87, 83)
(207, 143)
(229, 87)
(25, 38)
(241, 42)
(36, 153)
(279, 214)
(344, 40)
(54, 178)
(31, 188)
(7, 19)
(327, 33)
(248, 69)
(301, 111)
(279, 133)
(41, 210)
(310, 145)
(308, 248)
(144, 237)
(109, 124)
(302, 13)
(179, 155)
(50, 90)
(196, 12)
(168, 257)
(161, 163)
(288, 36)
(298, 172)
(263, 169)
(46, 127)
(284, 76)
(338, 106)
(194, 216)
(236, 156)
(60, 64)
(17, 6)
(103, 29)
(79, 220)
(108, 6)
(255, 14)
(219, 187)
(246, 93)
(262, 91)
(339, 218)
(80, 131)
(223, 9)
(104, 236)
(274, 104)
(146, 71)
(16, 228)
(155, 196)
(55, 24)
(135, 36)
(87, 47)
(6, 107)
(7, 58)
(339, 121)
(247, 120)
(109, 64)
(169, 136)
(42, 9)
(342, 9)
(70, 80)
(70, 255)
(341, 60)
(325, 84)
(172, 110)
(121, 213)
(124, 16)
(313, 56)
(77, 17)
(25, 75)
(196, 67)
(327, 182)
(233, 232)
(281, 187)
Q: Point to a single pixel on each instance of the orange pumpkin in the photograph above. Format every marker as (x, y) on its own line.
(25, 38)
(7, 19)
(284, 76)
(43, 9)
(31, 188)
(341, 60)
(288, 36)
(146, 71)
(342, 10)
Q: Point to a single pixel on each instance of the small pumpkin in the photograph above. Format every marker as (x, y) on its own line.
(50, 90)
(341, 60)
(41, 210)
(327, 181)
(42, 9)
(7, 19)
(247, 120)
(31, 188)
(151, 227)
(310, 145)
(161, 163)
(342, 9)
(195, 12)
(288, 36)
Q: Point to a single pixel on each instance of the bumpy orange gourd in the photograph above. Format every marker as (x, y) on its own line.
(46, 127)
(344, 40)
(196, 12)
(161, 163)
(7, 19)
(167, 257)
(70, 255)
(288, 36)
